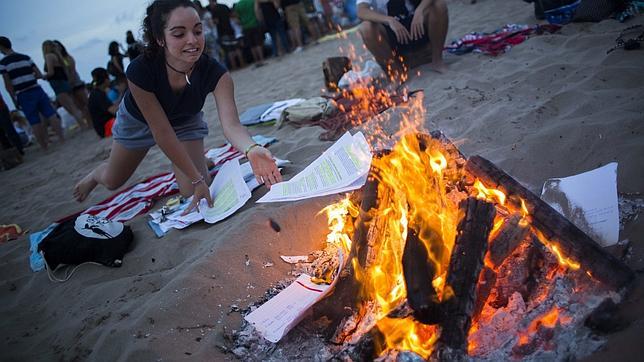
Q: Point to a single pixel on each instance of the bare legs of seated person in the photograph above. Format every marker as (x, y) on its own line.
(378, 41)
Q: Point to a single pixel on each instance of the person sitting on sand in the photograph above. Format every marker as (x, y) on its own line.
(101, 108)
(167, 90)
(392, 28)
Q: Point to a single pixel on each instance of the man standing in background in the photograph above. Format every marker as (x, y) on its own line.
(20, 79)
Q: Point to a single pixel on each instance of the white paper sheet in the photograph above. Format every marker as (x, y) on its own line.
(229, 193)
(588, 200)
(277, 316)
(342, 167)
(174, 220)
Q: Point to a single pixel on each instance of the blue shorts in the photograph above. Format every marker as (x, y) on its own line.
(34, 101)
(134, 134)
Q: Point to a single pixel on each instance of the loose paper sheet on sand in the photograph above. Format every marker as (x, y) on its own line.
(588, 200)
(277, 316)
(342, 167)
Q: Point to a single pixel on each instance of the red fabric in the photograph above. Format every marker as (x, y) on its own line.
(108, 127)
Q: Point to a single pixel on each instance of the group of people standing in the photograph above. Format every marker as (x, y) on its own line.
(229, 32)
(37, 112)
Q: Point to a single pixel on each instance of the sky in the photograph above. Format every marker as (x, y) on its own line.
(85, 28)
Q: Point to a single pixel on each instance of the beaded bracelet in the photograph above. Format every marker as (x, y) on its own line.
(200, 179)
(250, 148)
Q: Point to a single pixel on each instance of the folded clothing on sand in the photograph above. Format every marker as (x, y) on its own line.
(266, 112)
(498, 41)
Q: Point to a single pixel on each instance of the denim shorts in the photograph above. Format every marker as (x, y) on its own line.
(134, 134)
(60, 86)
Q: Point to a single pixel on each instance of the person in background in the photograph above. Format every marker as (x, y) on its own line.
(268, 15)
(231, 46)
(134, 47)
(79, 92)
(391, 28)
(101, 107)
(163, 105)
(296, 17)
(56, 75)
(115, 66)
(20, 75)
(9, 135)
(209, 32)
(252, 31)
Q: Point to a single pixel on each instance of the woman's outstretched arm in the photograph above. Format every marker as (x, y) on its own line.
(261, 159)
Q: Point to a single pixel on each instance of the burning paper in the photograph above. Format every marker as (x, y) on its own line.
(588, 200)
(276, 317)
(343, 167)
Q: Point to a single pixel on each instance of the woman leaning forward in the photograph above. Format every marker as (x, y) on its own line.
(167, 90)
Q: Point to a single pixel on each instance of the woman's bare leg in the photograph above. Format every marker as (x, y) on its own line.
(196, 152)
(65, 100)
(54, 122)
(113, 173)
(81, 100)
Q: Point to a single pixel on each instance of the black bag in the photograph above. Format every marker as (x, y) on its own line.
(86, 239)
(596, 10)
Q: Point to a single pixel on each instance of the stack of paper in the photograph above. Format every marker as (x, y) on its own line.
(343, 167)
(230, 190)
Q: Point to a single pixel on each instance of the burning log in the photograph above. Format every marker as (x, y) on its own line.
(512, 232)
(419, 272)
(570, 240)
(367, 232)
(464, 268)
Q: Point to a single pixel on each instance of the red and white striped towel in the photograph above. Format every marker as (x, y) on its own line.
(139, 199)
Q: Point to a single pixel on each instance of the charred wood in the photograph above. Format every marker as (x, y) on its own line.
(487, 280)
(419, 271)
(605, 318)
(572, 242)
(512, 232)
(464, 268)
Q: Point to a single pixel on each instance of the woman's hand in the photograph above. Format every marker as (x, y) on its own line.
(264, 167)
(201, 192)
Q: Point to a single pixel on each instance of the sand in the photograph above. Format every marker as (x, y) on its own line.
(553, 106)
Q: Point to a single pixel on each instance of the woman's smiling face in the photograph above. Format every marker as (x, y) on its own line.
(183, 34)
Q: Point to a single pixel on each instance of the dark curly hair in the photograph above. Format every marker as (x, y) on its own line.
(156, 17)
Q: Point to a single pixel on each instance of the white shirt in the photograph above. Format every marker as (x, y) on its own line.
(381, 5)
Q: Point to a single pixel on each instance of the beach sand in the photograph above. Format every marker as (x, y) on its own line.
(554, 106)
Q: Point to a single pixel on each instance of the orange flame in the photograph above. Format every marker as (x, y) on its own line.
(491, 195)
(339, 229)
(407, 334)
